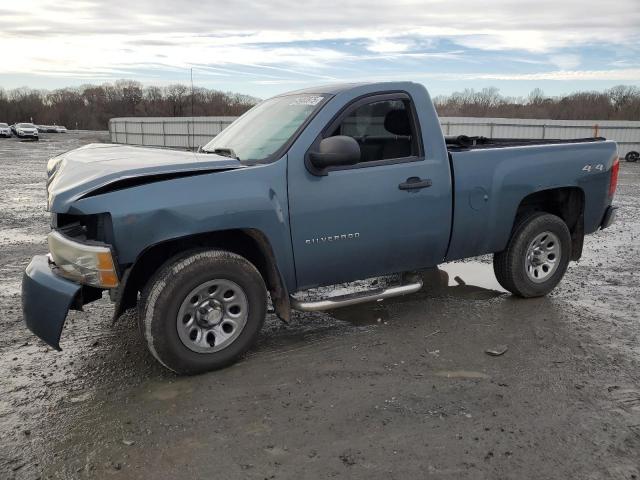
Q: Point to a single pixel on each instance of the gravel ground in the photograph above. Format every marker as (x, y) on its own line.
(400, 389)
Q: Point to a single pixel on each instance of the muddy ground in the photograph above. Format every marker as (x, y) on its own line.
(397, 390)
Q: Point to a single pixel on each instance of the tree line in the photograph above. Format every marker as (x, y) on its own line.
(91, 106)
(618, 103)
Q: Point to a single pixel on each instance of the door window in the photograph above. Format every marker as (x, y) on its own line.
(384, 130)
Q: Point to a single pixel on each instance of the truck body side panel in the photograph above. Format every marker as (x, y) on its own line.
(247, 198)
(490, 184)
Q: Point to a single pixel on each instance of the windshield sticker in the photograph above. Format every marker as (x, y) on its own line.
(306, 100)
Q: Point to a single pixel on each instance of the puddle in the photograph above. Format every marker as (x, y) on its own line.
(167, 391)
(473, 280)
(469, 280)
(364, 314)
(304, 330)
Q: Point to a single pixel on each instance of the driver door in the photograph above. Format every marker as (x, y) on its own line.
(358, 221)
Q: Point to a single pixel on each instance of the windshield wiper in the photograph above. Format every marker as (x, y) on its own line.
(225, 152)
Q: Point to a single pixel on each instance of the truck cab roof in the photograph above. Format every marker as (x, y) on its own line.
(336, 88)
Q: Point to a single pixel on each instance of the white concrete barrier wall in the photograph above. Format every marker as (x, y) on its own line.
(176, 132)
(626, 133)
(188, 132)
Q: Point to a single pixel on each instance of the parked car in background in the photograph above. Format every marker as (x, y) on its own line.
(51, 128)
(5, 130)
(25, 130)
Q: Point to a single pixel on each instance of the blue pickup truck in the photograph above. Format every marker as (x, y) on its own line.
(311, 188)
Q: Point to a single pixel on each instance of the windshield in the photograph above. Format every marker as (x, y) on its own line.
(26, 125)
(265, 128)
(3, 125)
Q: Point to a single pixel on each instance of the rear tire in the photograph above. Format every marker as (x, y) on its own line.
(632, 156)
(202, 310)
(536, 256)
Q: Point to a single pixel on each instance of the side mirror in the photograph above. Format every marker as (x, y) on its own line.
(335, 152)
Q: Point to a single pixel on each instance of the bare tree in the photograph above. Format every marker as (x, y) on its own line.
(617, 103)
(91, 106)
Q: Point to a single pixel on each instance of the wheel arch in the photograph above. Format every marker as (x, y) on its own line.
(251, 244)
(565, 202)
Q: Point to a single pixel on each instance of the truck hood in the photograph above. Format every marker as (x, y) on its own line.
(103, 166)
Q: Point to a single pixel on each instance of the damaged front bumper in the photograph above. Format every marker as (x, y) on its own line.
(73, 274)
(46, 300)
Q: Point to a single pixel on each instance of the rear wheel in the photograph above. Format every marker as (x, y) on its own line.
(632, 157)
(202, 310)
(536, 256)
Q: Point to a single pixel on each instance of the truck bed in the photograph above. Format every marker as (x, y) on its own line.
(490, 182)
(459, 143)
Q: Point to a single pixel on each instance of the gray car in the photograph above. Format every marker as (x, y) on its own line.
(25, 130)
(5, 130)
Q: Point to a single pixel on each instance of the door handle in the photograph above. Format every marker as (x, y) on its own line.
(415, 183)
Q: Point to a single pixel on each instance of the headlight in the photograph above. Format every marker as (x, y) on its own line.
(20, 131)
(87, 264)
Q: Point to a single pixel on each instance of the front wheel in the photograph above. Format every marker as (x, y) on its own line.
(202, 310)
(536, 256)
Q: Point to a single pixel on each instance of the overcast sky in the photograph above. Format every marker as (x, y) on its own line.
(266, 47)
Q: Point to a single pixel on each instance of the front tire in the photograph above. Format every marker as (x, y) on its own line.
(536, 256)
(202, 310)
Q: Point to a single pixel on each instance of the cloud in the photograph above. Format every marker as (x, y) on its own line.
(565, 61)
(385, 45)
(286, 41)
(622, 75)
(618, 75)
(500, 22)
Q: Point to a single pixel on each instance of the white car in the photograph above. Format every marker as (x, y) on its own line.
(5, 130)
(25, 130)
(60, 129)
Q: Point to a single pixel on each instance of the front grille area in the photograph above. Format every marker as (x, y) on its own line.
(84, 227)
(74, 230)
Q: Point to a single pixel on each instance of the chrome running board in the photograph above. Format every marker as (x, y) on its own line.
(355, 298)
